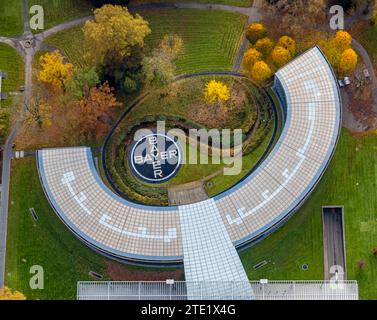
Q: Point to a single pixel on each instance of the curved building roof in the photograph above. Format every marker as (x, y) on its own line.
(310, 97)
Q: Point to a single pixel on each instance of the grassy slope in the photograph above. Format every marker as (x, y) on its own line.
(211, 38)
(70, 41)
(11, 18)
(351, 180)
(11, 63)
(59, 11)
(223, 182)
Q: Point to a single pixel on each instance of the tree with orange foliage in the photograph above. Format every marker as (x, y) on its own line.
(53, 69)
(251, 56)
(280, 56)
(260, 72)
(94, 111)
(7, 294)
(264, 46)
(348, 61)
(255, 31)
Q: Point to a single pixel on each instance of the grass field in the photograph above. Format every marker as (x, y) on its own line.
(351, 180)
(59, 11)
(12, 64)
(211, 38)
(11, 18)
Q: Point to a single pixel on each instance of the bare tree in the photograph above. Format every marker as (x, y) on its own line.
(296, 15)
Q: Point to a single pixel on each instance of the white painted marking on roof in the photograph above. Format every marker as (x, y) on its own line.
(80, 199)
(143, 232)
(310, 85)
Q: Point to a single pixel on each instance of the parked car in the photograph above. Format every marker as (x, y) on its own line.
(347, 81)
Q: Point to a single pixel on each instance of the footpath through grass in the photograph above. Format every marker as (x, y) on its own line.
(351, 180)
(11, 18)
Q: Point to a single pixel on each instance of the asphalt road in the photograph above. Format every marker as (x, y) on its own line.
(333, 242)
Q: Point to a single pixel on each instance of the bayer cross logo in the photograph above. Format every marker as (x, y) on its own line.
(155, 158)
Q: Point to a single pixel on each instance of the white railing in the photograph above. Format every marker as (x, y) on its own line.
(177, 290)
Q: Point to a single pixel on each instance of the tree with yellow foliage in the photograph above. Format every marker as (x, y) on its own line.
(280, 56)
(53, 69)
(251, 56)
(255, 31)
(348, 61)
(8, 294)
(264, 46)
(260, 72)
(342, 40)
(113, 34)
(339, 52)
(333, 55)
(288, 43)
(216, 91)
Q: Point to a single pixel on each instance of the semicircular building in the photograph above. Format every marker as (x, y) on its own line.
(310, 99)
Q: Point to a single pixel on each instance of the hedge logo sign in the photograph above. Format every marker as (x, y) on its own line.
(155, 158)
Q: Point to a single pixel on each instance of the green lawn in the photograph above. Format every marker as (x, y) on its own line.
(45, 242)
(211, 38)
(59, 11)
(239, 3)
(70, 41)
(12, 64)
(351, 180)
(11, 18)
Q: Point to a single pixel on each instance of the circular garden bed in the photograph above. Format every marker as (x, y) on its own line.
(182, 105)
